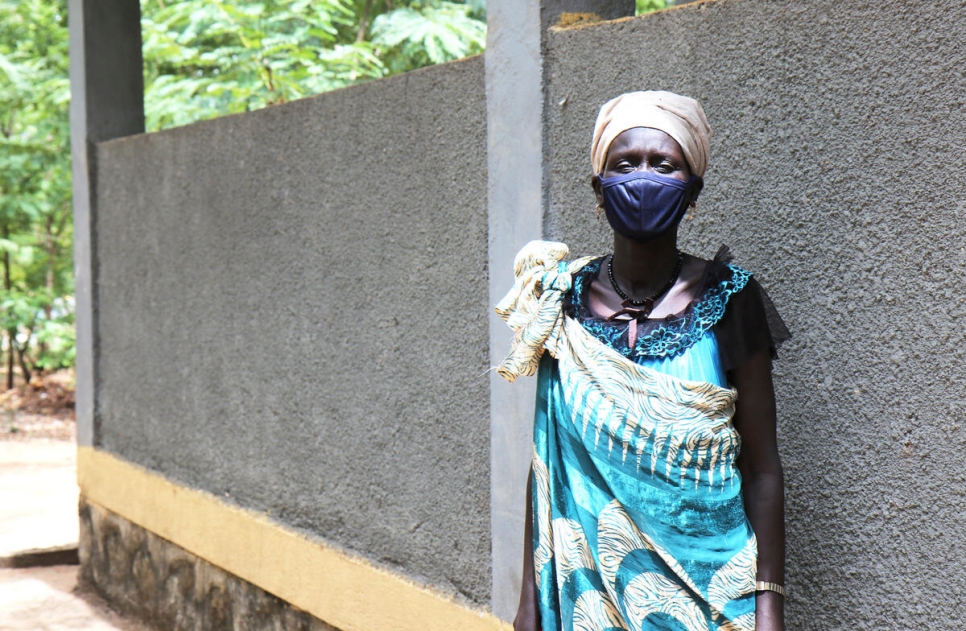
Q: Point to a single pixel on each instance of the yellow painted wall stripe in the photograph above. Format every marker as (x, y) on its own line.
(345, 591)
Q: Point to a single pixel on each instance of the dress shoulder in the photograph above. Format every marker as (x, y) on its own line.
(750, 324)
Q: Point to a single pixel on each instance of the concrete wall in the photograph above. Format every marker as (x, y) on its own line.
(293, 303)
(836, 174)
(293, 310)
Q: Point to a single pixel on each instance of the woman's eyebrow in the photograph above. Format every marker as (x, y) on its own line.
(629, 152)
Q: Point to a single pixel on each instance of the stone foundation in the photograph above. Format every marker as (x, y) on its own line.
(150, 578)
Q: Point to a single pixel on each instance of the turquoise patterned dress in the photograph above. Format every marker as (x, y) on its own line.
(639, 523)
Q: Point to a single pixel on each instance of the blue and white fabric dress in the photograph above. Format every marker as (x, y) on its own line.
(639, 523)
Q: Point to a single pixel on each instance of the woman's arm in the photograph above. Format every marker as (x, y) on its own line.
(763, 482)
(528, 612)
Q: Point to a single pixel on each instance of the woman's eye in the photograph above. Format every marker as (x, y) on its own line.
(624, 167)
(665, 167)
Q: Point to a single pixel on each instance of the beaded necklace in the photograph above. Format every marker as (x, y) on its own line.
(646, 303)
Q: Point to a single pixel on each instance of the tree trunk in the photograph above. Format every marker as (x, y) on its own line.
(51, 247)
(10, 343)
(21, 357)
(364, 21)
(11, 333)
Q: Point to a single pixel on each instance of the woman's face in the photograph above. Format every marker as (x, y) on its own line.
(643, 149)
(646, 149)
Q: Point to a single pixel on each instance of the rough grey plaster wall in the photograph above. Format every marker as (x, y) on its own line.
(293, 315)
(836, 174)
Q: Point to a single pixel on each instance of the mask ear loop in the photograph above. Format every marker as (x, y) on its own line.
(697, 182)
(598, 208)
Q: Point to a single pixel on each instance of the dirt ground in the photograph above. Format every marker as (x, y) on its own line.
(42, 409)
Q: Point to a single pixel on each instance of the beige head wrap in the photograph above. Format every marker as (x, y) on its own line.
(680, 117)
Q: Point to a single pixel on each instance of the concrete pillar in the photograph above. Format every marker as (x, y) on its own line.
(107, 101)
(516, 203)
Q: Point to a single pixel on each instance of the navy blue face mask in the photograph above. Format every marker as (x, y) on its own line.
(642, 206)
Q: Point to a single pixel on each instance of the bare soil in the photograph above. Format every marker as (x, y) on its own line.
(42, 409)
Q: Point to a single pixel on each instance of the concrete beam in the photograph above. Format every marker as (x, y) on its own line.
(107, 101)
(516, 199)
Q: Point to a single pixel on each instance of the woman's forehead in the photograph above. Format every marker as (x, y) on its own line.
(644, 138)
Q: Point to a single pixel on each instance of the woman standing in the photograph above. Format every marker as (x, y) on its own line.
(656, 492)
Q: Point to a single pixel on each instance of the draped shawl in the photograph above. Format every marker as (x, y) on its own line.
(638, 517)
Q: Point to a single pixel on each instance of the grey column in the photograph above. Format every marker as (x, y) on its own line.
(516, 201)
(107, 101)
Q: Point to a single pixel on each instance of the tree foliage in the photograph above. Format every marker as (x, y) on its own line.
(649, 6)
(201, 59)
(36, 305)
(204, 59)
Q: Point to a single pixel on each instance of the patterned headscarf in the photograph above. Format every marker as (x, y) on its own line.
(680, 117)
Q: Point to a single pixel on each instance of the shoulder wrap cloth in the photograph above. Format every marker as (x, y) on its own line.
(532, 307)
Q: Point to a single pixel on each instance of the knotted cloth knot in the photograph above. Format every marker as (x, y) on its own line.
(533, 307)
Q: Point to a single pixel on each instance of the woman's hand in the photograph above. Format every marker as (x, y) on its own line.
(769, 612)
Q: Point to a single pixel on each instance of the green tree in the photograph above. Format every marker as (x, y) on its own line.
(427, 33)
(203, 59)
(649, 6)
(36, 308)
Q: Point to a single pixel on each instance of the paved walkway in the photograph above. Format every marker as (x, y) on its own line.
(38, 511)
(38, 495)
(45, 599)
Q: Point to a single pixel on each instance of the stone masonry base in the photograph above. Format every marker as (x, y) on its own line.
(152, 579)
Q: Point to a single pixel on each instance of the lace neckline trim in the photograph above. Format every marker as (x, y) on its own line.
(668, 336)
